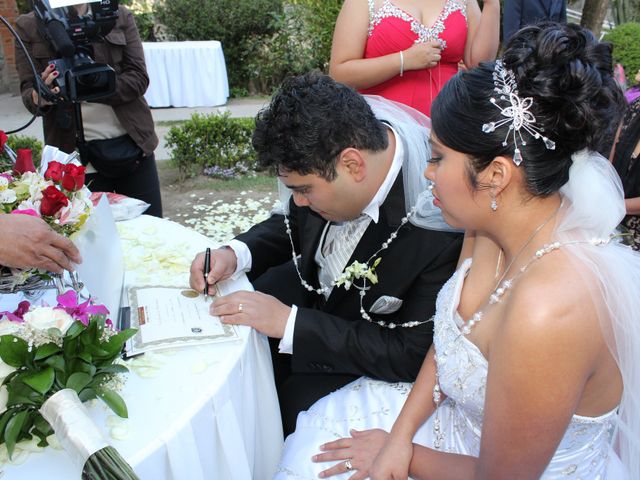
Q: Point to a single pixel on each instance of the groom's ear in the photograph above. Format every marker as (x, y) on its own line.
(499, 174)
(353, 162)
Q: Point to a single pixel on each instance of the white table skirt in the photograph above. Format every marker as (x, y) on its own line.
(210, 412)
(186, 74)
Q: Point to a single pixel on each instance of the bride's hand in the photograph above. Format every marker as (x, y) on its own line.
(357, 452)
(393, 460)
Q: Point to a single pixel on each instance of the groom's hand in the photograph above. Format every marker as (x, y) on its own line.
(223, 265)
(265, 313)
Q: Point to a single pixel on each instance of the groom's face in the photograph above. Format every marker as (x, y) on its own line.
(333, 200)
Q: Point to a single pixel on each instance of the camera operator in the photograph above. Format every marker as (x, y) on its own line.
(118, 128)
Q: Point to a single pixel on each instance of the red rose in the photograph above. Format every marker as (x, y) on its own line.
(3, 139)
(52, 201)
(73, 178)
(24, 162)
(54, 171)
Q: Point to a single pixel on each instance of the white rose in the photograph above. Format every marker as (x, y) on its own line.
(44, 318)
(4, 396)
(7, 327)
(4, 183)
(7, 196)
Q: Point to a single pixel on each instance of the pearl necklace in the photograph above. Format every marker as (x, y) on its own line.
(499, 292)
(362, 288)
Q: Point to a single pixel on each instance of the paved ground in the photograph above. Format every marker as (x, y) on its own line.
(14, 115)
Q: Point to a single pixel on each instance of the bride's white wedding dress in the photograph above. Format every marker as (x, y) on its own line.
(584, 452)
(593, 207)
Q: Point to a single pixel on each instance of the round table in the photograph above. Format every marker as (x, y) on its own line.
(203, 412)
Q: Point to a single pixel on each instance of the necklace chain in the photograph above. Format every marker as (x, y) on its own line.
(362, 288)
(500, 290)
(525, 244)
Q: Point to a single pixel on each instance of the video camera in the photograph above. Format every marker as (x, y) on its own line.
(70, 34)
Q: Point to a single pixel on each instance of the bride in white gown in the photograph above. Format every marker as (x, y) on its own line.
(535, 367)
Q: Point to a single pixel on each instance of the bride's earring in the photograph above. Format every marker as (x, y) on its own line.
(494, 204)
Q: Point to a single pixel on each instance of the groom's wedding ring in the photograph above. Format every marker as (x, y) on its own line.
(240, 308)
(347, 464)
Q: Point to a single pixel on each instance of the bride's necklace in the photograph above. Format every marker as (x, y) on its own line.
(362, 288)
(499, 290)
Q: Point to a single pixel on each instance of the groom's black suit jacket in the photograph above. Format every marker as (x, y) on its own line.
(331, 337)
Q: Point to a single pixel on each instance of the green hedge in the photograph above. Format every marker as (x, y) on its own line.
(264, 41)
(217, 145)
(21, 141)
(626, 48)
(235, 23)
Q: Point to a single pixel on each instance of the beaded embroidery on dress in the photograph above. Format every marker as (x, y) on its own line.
(584, 452)
(425, 33)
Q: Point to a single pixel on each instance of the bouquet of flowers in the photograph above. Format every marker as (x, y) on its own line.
(55, 192)
(52, 359)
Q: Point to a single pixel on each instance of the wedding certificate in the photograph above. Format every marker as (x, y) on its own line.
(172, 317)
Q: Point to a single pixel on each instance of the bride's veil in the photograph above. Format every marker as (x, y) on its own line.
(593, 207)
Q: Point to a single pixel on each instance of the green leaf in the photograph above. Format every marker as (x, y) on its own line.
(56, 362)
(40, 381)
(4, 419)
(113, 369)
(46, 350)
(78, 381)
(114, 402)
(14, 427)
(85, 356)
(87, 394)
(14, 351)
(74, 330)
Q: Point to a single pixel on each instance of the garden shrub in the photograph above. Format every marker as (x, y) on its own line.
(232, 22)
(319, 18)
(21, 141)
(142, 11)
(626, 48)
(216, 145)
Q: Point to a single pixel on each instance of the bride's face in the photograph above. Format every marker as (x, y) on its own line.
(461, 205)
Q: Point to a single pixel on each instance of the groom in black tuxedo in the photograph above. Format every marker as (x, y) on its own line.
(344, 168)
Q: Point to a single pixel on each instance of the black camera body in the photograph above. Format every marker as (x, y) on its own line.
(80, 77)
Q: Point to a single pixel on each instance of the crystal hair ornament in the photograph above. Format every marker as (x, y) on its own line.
(517, 112)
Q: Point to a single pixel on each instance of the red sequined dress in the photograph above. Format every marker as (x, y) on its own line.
(391, 30)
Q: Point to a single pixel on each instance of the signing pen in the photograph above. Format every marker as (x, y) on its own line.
(207, 269)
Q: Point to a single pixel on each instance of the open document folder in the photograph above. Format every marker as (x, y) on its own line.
(169, 317)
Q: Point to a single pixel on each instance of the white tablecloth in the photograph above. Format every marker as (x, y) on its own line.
(186, 74)
(207, 412)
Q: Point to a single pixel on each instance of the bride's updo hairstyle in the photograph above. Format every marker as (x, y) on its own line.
(576, 103)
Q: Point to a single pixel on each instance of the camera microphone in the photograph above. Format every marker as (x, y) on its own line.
(59, 37)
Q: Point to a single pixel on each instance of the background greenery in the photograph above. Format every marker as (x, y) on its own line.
(263, 40)
(217, 145)
(626, 48)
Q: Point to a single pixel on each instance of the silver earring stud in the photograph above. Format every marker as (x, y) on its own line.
(494, 204)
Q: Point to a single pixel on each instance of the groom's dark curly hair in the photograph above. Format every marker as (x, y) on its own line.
(309, 121)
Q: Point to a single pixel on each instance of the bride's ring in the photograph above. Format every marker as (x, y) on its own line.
(347, 464)
(240, 308)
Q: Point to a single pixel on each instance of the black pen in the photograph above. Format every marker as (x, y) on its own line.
(207, 269)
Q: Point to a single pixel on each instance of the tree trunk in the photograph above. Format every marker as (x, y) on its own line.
(593, 14)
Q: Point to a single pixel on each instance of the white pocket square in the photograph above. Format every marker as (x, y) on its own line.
(386, 305)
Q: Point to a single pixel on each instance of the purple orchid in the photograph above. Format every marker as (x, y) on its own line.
(18, 314)
(69, 303)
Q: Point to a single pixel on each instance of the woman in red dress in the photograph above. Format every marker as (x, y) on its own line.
(406, 50)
